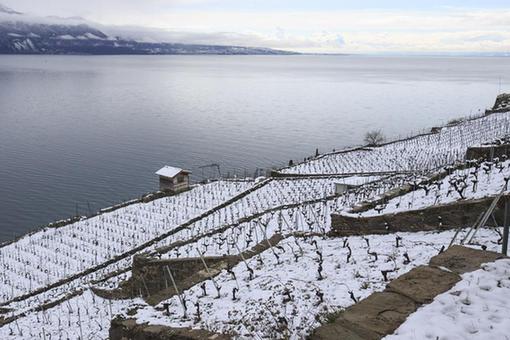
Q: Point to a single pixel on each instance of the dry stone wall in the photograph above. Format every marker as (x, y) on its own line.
(488, 152)
(128, 329)
(383, 312)
(453, 215)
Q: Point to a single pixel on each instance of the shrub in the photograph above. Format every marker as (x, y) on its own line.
(374, 137)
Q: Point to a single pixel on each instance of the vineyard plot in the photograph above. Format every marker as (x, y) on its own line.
(52, 254)
(420, 153)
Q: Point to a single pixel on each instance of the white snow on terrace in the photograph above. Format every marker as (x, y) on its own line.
(75, 286)
(282, 300)
(169, 171)
(486, 181)
(419, 153)
(280, 194)
(311, 217)
(263, 296)
(357, 180)
(86, 316)
(114, 282)
(478, 307)
(51, 254)
(305, 219)
(286, 291)
(206, 244)
(302, 218)
(31, 262)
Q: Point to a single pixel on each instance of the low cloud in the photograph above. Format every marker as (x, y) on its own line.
(321, 42)
(354, 31)
(488, 37)
(449, 30)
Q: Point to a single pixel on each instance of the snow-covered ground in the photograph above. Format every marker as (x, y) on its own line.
(284, 293)
(279, 195)
(78, 285)
(478, 307)
(52, 254)
(483, 180)
(86, 316)
(307, 217)
(419, 153)
(247, 225)
(293, 285)
(298, 192)
(287, 296)
(40, 245)
(302, 217)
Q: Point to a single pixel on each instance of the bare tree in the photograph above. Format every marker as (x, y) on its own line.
(374, 137)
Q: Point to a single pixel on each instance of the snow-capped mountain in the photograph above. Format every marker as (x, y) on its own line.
(24, 34)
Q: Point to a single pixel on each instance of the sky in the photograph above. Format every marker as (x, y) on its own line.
(315, 26)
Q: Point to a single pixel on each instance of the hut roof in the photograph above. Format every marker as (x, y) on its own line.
(170, 171)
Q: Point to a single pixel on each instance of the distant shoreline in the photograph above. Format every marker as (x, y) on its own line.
(277, 54)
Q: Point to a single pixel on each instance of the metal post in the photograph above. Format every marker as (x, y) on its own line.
(269, 244)
(242, 256)
(209, 273)
(177, 291)
(505, 229)
(79, 323)
(486, 216)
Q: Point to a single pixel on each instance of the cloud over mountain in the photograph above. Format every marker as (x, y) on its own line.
(21, 33)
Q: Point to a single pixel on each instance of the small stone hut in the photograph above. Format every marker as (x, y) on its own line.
(173, 179)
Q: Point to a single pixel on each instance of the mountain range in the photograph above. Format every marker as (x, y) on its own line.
(25, 34)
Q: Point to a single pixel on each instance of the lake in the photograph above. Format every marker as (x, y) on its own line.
(79, 133)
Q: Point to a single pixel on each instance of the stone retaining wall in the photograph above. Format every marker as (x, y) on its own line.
(124, 329)
(152, 277)
(487, 152)
(447, 216)
(151, 280)
(187, 273)
(382, 313)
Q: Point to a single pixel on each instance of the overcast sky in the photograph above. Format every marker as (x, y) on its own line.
(309, 26)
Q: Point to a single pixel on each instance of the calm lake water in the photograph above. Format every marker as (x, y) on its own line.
(78, 131)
